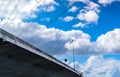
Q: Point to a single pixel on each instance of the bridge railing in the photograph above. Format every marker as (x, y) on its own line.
(6, 36)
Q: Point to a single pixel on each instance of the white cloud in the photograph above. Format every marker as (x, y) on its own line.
(89, 13)
(23, 8)
(59, 39)
(47, 8)
(83, 1)
(109, 42)
(77, 66)
(46, 2)
(73, 9)
(68, 18)
(50, 40)
(89, 16)
(56, 42)
(81, 46)
(45, 19)
(93, 7)
(99, 67)
(106, 2)
(79, 25)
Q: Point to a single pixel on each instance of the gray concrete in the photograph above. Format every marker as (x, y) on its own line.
(20, 59)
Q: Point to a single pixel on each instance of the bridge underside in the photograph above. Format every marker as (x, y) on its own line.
(18, 62)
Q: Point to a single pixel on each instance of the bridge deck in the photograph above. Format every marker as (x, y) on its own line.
(20, 59)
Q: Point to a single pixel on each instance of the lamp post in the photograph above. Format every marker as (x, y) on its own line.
(73, 55)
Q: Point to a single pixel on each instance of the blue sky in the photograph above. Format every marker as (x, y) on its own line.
(109, 19)
(51, 25)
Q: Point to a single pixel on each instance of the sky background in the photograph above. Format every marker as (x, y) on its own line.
(51, 25)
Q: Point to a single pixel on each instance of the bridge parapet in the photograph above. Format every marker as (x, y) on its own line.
(24, 45)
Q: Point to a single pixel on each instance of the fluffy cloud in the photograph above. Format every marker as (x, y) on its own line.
(109, 42)
(92, 6)
(47, 8)
(58, 42)
(81, 46)
(77, 66)
(68, 18)
(73, 9)
(50, 40)
(79, 25)
(89, 13)
(89, 16)
(59, 39)
(23, 8)
(99, 67)
(106, 2)
(83, 1)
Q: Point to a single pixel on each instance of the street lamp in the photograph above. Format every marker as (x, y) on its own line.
(73, 55)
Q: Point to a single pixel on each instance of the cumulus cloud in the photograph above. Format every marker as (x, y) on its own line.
(58, 42)
(109, 42)
(73, 9)
(89, 16)
(68, 18)
(74, 1)
(59, 39)
(79, 25)
(81, 46)
(106, 2)
(89, 13)
(77, 66)
(47, 8)
(99, 67)
(92, 6)
(50, 40)
(23, 8)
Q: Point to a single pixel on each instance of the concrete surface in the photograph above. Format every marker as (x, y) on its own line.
(20, 59)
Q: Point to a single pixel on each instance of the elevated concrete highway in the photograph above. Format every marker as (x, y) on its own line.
(20, 59)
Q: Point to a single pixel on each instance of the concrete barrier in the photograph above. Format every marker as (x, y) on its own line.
(20, 59)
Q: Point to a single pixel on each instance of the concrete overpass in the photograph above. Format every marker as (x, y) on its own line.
(20, 59)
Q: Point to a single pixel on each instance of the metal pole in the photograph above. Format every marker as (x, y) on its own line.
(73, 55)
